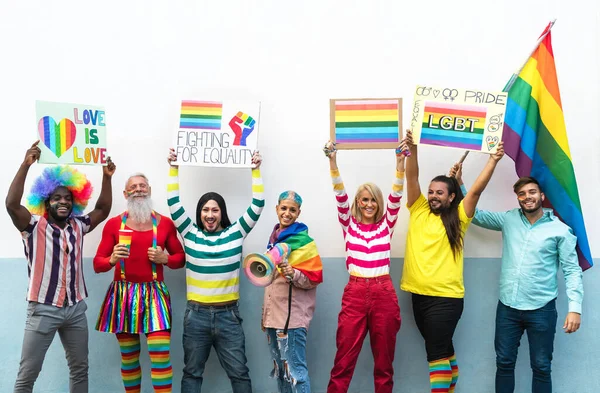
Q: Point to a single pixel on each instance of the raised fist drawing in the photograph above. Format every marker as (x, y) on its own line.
(242, 126)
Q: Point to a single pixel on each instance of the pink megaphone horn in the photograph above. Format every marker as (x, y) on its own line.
(260, 268)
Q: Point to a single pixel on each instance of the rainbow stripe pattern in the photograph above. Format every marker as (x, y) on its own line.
(535, 137)
(440, 375)
(159, 347)
(57, 137)
(440, 128)
(304, 255)
(201, 115)
(366, 121)
(132, 307)
(131, 372)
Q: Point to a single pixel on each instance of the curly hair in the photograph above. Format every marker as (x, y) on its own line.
(59, 176)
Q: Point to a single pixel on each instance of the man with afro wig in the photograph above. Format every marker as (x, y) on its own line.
(52, 227)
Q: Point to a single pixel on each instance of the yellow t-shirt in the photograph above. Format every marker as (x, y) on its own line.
(429, 265)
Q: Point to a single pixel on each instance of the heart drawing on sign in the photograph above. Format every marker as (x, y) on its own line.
(57, 137)
(436, 93)
(492, 141)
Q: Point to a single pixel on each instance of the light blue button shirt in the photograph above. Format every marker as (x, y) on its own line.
(531, 256)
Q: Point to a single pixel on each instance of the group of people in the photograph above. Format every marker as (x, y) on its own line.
(535, 246)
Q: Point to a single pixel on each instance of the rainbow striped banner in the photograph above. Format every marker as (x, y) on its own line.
(201, 115)
(440, 126)
(370, 123)
(535, 137)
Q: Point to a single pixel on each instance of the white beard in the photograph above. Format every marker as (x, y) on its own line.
(139, 209)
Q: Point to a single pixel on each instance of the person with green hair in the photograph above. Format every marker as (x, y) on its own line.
(290, 300)
(52, 227)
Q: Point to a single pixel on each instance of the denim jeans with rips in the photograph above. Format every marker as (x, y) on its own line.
(289, 360)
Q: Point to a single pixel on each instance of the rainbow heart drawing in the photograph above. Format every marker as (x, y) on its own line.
(57, 137)
(492, 141)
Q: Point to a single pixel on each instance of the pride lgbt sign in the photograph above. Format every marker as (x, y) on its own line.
(71, 133)
(217, 133)
(366, 123)
(458, 118)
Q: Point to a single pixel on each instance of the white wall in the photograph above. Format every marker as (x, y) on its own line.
(139, 59)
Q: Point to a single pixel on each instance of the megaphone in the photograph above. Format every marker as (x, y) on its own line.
(260, 268)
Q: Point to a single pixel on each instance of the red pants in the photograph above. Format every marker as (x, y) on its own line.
(368, 304)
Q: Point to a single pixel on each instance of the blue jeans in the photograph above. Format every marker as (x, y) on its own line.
(221, 327)
(289, 358)
(540, 325)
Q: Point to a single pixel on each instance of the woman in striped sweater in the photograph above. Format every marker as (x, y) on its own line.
(213, 249)
(369, 302)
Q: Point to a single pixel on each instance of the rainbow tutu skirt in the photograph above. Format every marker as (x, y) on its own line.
(135, 307)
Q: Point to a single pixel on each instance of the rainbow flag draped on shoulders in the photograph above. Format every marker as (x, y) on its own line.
(535, 137)
(304, 255)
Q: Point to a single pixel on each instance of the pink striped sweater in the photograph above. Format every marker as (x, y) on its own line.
(368, 245)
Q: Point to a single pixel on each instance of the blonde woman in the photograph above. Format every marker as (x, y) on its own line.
(369, 302)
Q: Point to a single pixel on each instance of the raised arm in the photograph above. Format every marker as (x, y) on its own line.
(472, 197)
(250, 217)
(482, 218)
(182, 221)
(395, 198)
(412, 172)
(18, 213)
(341, 197)
(104, 202)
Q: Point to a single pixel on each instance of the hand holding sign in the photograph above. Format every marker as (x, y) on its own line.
(32, 154)
(256, 159)
(236, 123)
(172, 157)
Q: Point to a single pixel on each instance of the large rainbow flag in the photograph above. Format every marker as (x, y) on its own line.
(535, 137)
(304, 255)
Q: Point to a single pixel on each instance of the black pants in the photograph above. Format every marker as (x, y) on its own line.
(436, 318)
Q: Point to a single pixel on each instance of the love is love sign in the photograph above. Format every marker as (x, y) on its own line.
(71, 133)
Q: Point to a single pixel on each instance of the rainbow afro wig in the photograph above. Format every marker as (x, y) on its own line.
(59, 176)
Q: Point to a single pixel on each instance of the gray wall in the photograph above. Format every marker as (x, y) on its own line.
(573, 364)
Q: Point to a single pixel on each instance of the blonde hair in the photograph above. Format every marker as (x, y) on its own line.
(375, 193)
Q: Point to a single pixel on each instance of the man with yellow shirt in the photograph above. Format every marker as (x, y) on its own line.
(433, 263)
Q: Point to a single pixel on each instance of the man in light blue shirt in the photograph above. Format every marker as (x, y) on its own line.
(535, 243)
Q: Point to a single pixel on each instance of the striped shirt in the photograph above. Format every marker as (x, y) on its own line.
(368, 245)
(213, 259)
(54, 260)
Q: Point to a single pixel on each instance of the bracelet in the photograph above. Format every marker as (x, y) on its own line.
(399, 152)
(327, 150)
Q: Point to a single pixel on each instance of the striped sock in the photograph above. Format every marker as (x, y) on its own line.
(159, 344)
(454, 366)
(440, 375)
(130, 362)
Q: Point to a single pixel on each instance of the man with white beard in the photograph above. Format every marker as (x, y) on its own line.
(138, 301)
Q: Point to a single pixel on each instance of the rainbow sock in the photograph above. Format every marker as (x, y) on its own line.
(440, 375)
(159, 344)
(130, 362)
(454, 366)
